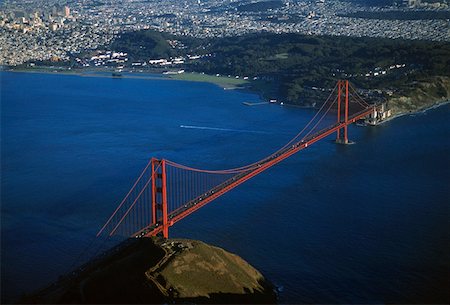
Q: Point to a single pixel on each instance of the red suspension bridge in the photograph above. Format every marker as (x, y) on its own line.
(166, 192)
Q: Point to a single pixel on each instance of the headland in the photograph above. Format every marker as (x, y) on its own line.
(153, 270)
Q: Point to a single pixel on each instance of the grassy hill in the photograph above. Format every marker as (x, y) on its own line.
(145, 270)
(197, 272)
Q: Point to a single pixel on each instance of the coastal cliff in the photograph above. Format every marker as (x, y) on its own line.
(150, 270)
(421, 95)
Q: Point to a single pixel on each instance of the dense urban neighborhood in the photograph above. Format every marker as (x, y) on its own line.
(49, 31)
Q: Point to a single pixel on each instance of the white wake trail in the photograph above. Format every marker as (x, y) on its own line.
(223, 129)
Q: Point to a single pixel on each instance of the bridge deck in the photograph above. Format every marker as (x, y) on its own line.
(240, 178)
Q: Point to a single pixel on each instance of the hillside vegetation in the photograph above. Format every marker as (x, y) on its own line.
(156, 271)
(293, 66)
(297, 62)
(197, 272)
(422, 95)
(142, 45)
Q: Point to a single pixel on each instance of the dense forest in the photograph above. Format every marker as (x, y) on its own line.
(295, 63)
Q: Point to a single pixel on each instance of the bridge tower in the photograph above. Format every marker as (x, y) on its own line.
(159, 195)
(342, 89)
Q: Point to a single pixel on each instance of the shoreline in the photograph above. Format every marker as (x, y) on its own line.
(133, 75)
(418, 111)
(155, 76)
(92, 73)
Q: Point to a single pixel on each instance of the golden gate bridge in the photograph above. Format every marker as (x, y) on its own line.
(166, 192)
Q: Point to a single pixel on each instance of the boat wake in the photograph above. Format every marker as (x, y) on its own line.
(223, 129)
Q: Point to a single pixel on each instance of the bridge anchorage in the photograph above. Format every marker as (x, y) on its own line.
(166, 192)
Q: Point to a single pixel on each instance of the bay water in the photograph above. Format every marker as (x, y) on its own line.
(363, 223)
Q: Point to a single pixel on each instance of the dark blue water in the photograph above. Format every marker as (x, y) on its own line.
(365, 223)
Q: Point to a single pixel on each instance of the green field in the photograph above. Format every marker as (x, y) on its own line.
(222, 81)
